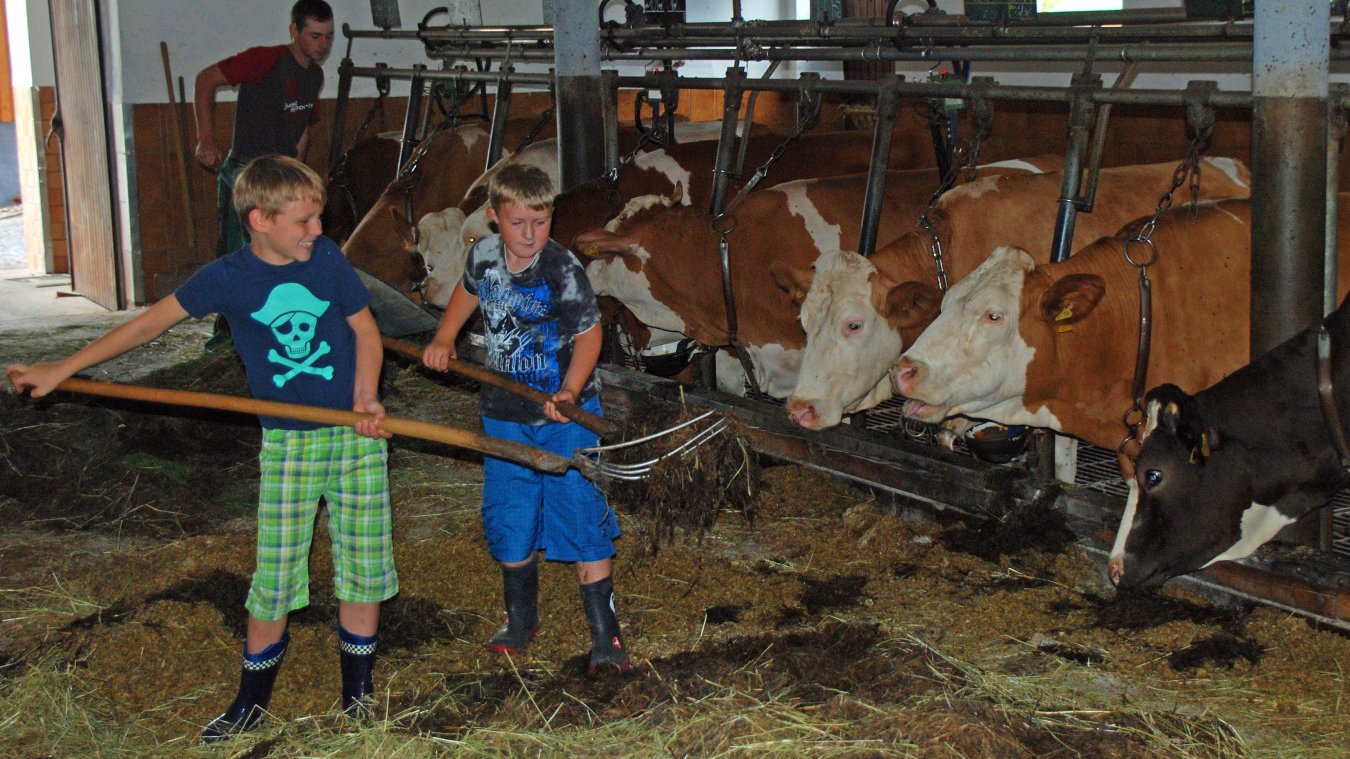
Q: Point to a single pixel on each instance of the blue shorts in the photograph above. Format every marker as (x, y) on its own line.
(524, 510)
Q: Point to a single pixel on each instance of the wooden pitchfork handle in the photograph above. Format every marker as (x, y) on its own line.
(519, 453)
(592, 422)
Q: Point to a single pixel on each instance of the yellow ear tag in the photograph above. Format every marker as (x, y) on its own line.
(590, 251)
(798, 294)
(1064, 313)
(1202, 452)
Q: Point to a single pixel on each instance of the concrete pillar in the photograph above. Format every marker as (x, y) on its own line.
(1290, 61)
(1289, 163)
(578, 99)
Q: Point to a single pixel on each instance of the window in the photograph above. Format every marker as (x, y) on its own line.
(1061, 6)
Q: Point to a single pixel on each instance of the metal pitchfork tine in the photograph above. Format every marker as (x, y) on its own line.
(591, 467)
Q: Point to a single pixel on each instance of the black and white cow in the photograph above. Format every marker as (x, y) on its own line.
(1220, 472)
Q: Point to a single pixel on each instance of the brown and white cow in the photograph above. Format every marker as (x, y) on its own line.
(690, 165)
(653, 172)
(355, 183)
(663, 263)
(1055, 345)
(860, 313)
(436, 176)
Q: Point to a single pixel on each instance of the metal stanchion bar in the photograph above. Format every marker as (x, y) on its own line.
(859, 87)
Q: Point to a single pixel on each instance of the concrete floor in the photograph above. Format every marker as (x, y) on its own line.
(28, 301)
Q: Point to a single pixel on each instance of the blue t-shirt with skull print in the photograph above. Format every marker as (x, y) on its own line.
(289, 324)
(530, 320)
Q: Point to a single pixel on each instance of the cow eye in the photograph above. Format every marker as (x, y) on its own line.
(1153, 477)
(994, 316)
(470, 240)
(854, 326)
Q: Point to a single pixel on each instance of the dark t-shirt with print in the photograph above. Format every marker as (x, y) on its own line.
(531, 319)
(289, 324)
(276, 100)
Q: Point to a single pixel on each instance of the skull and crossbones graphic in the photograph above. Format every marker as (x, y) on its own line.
(292, 313)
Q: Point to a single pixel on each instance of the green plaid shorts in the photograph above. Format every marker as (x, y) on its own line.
(351, 473)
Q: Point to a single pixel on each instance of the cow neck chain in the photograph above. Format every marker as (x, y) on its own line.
(410, 178)
(339, 176)
(644, 139)
(968, 156)
(1189, 168)
(723, 224)
(807, 111)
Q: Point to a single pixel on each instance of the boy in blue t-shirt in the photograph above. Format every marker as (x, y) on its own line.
(303, 327)
(543, 329)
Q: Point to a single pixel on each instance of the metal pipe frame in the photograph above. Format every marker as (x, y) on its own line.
(1235, 52)
(1217, 99)
(909, 31)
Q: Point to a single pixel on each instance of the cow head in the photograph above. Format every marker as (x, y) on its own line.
(852, 315)
(1190, 502)
(972, 350)
(438, 236)
(972, 360)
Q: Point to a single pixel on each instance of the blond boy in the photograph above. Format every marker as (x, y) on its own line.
(305, 333)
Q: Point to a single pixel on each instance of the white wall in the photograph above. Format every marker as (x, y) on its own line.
(202, 33)
(30, 43)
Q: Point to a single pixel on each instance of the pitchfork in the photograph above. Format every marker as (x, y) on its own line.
(588, 461)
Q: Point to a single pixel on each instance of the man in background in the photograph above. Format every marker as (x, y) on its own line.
(278, 90)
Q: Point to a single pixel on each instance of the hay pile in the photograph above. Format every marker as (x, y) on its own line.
(76, 462)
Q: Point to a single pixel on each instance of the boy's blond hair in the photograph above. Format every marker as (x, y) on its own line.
(270, 183)
(522, 184)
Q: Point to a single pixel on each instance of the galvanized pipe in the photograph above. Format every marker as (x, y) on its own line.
(1209, 52)
(1015, 93)
(409, 138)
(1080, 125)
(340, 112)
(888, 107)
(731, 109)
(501, 109)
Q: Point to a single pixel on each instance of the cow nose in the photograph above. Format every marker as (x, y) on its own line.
(905, 376)
(802, 413)
(1115, 570)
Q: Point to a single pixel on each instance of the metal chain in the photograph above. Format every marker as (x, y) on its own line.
(644, 139)
(337, 175)
(723, 225)
(969, 153)
(807, 110)
(1188, 169)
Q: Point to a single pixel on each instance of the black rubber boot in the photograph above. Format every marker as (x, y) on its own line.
(520, 589)
(607, 649)
(258, 676)
(358, 670)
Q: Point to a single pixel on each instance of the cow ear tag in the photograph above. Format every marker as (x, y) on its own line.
(1201, 452)
(1064, 314)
